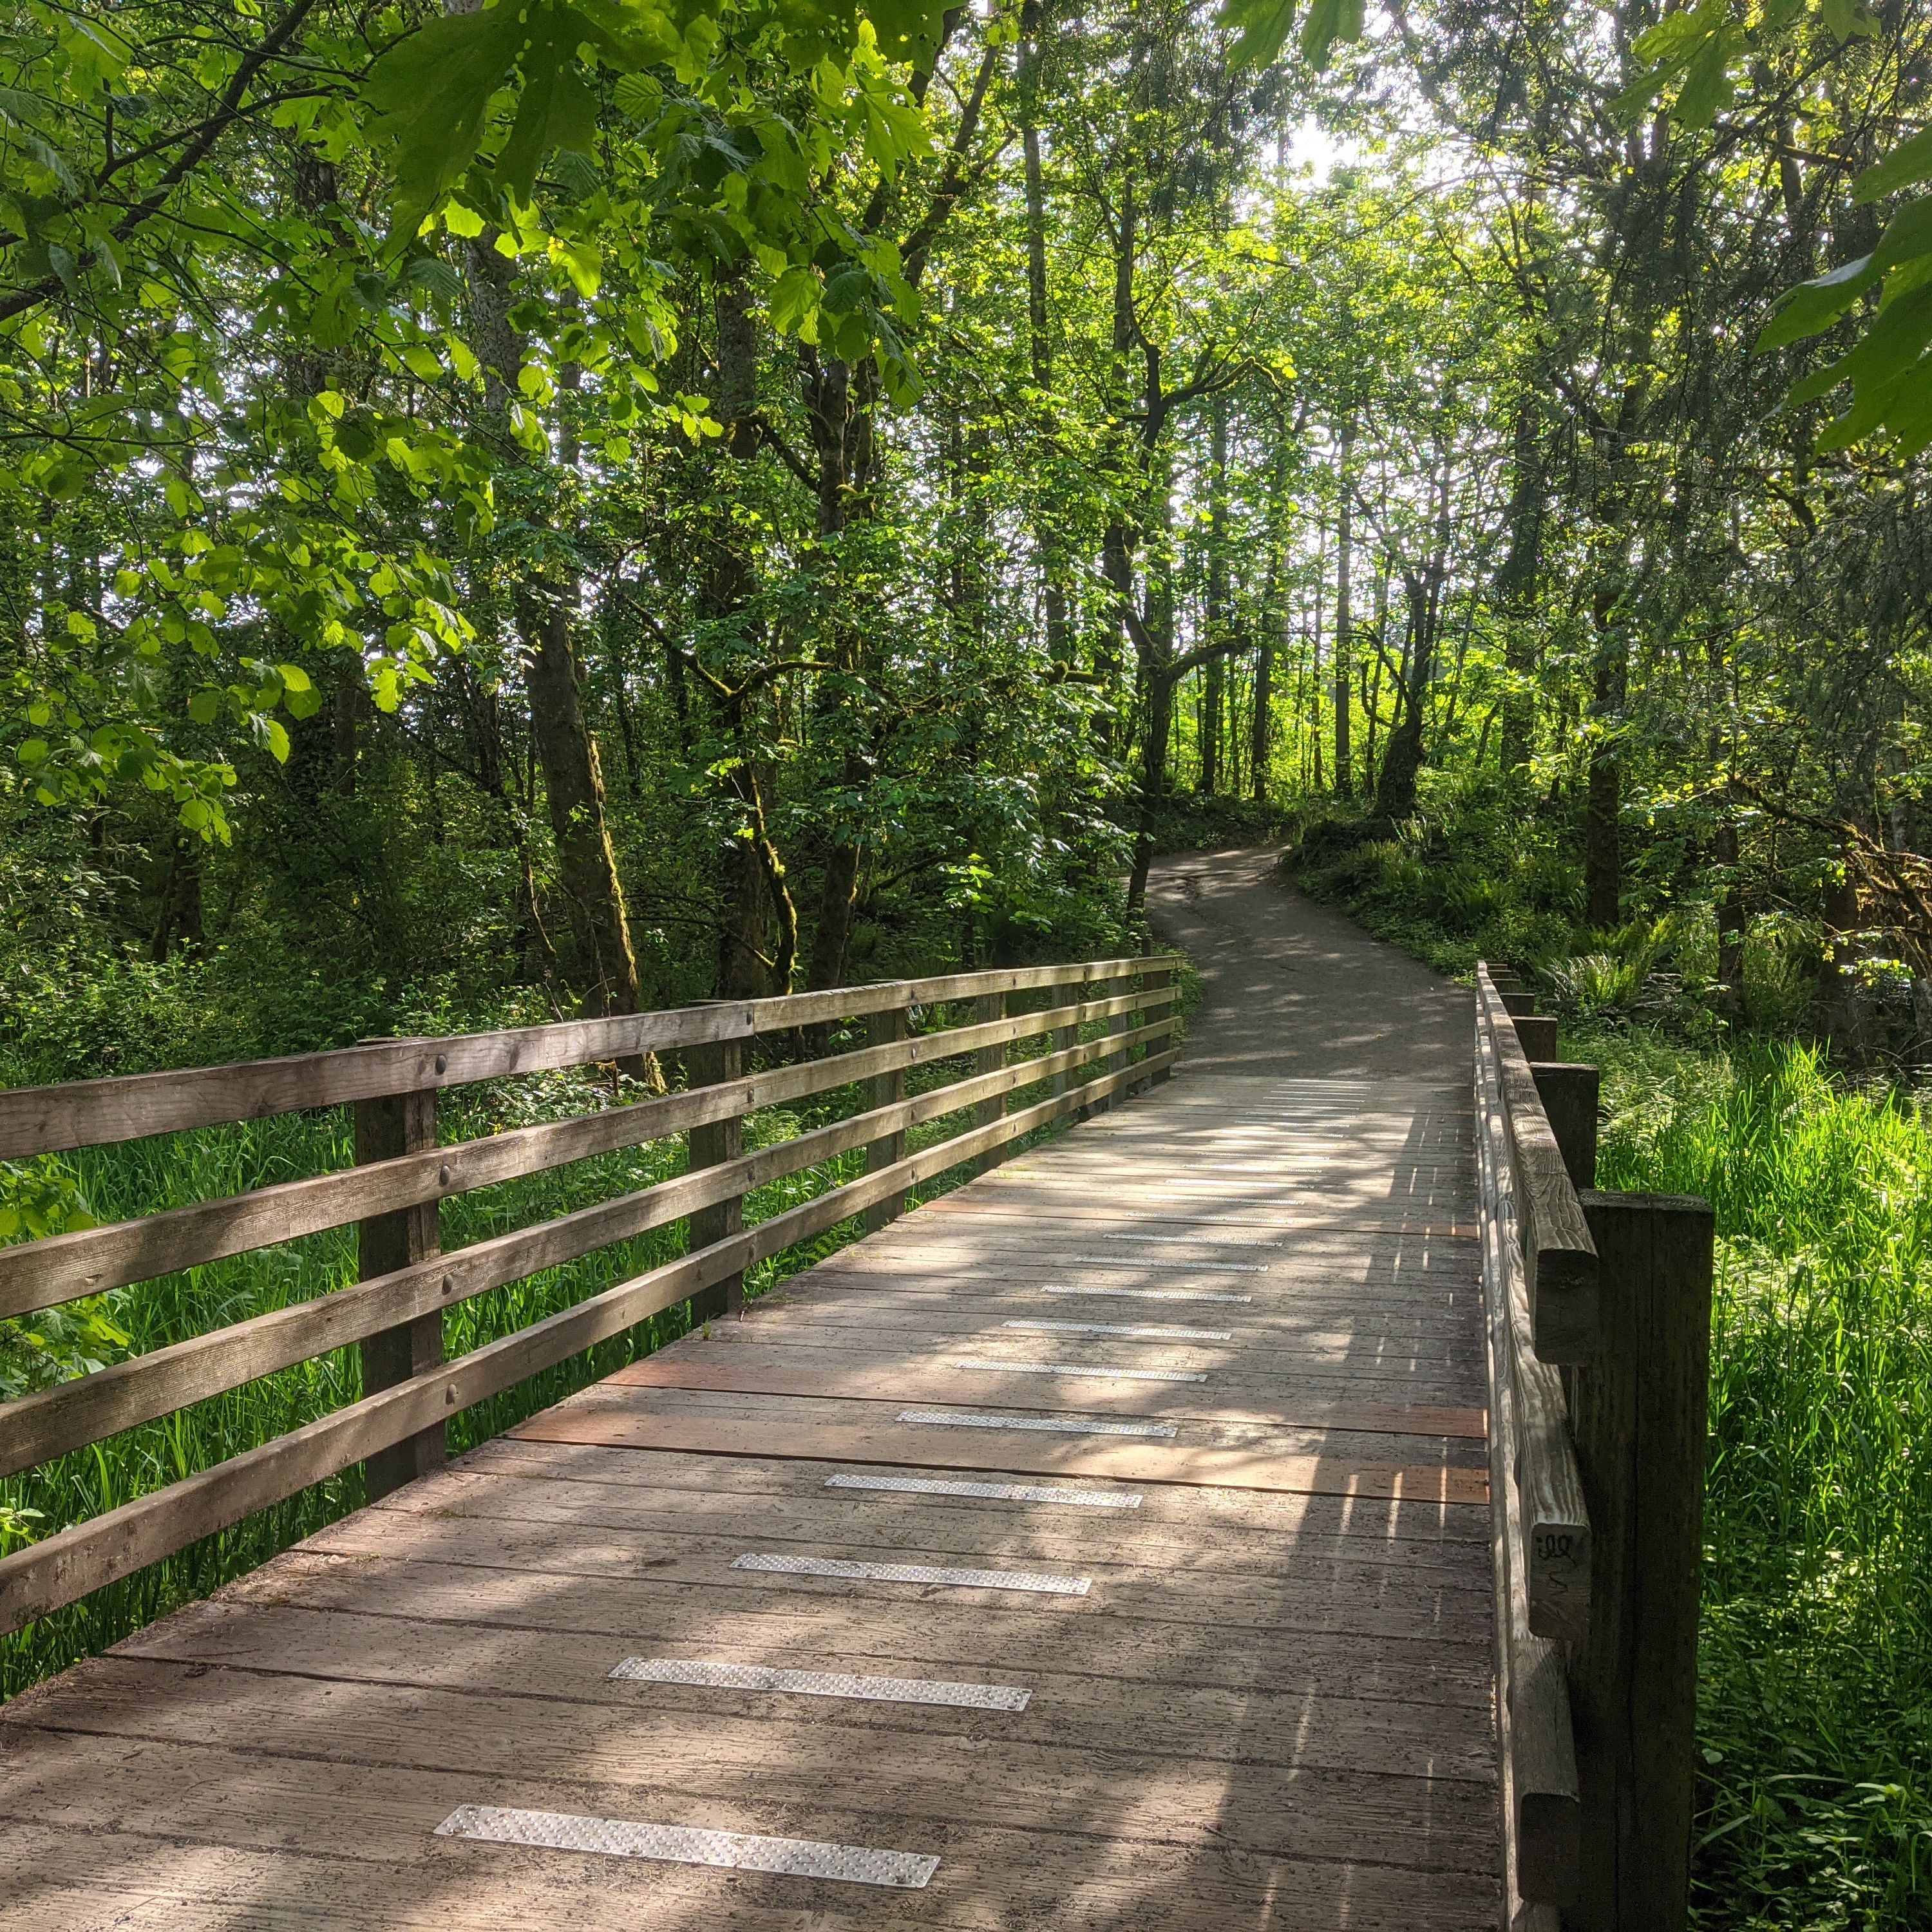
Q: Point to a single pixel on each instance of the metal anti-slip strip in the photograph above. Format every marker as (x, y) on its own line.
(1074, 1369)
(1173, 1267)
(955, 1420)
(998, 1492)
(688, 1845)
(1145, 1329)
(822, 1683)
(1200, 1240)
(1148, 1294)
(917, 1573)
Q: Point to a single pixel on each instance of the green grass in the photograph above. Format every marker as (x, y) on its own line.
(1815, 1804)
(146, 1176)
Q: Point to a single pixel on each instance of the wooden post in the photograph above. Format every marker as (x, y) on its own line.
(1163, 978)
(1064, 1038)
(1537, 1032)
(882, 1030)
(1114, 1062)
(1570, 1092)
(393, 1124)
(1639, 1413)
(988, 1059)
(707, 1066)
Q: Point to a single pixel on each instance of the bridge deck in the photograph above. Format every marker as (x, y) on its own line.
(1253, 1633)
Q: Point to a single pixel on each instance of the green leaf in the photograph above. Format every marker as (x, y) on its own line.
(1261, 27)
(1707, 79)
(1329, 21)
(908, 30)
(431, 92)
(1815, 305)
(435, 278)
(1901, 168)
(557, 110)
(1908, 234)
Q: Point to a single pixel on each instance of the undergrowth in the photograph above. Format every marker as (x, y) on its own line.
(1815, 1710)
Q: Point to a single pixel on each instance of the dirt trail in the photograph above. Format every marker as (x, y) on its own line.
(1292, 987)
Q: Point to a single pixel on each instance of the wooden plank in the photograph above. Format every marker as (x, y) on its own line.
(73, 1562)
(1248, 1540)
(473, 1611)
(1329, 1726)
(1559, 1259)
(398, 1124)
(1026, 979)
(1022, 1452)
(89, 1113)
(61, 1268)
(678, 1368)
(92, 1113)
(358, 1853)
(1336, 1590)
(35, 1428)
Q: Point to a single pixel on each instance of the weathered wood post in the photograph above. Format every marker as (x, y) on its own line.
(1117, 1025)
(886, 1029)
(1163, 978)
(1570, 1092)
(1639, 1417)
(988, 1059)
(1537, 1032)
(1067, 1037)
(710, 1064)
(390, 1125)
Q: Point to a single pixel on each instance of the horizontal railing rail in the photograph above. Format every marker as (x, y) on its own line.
(395, 1311)
(1597, 1309)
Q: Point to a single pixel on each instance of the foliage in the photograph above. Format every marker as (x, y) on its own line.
(1815, 1659)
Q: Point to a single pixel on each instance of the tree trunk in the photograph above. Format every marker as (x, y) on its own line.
(1052, 558)
(606, 967)
(1215, 670)
(1516, 593)
(1344, 554)
(1602, 834)
(1261, 745)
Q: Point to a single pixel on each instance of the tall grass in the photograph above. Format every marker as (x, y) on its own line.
(1815, 1806)
(169, 1170)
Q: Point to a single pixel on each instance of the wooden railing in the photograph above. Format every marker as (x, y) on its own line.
(395, 1311)
(1598, 1309)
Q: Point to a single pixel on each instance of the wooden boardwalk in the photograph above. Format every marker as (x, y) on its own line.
(1175, 1426)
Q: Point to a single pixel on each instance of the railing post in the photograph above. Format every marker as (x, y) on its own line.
(1570, 1092)
(1066, 1037)
(883, 1029)
(1161, 978)
(391, 1125)
(1538, 1033)
(1639, 1416)
(988, 1059)
(709, 1065)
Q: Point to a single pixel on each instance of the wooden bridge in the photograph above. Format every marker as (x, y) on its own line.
(1107, 1542)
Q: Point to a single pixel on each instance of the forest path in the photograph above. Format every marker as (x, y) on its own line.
(1102, 1547)
(1293, 988)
